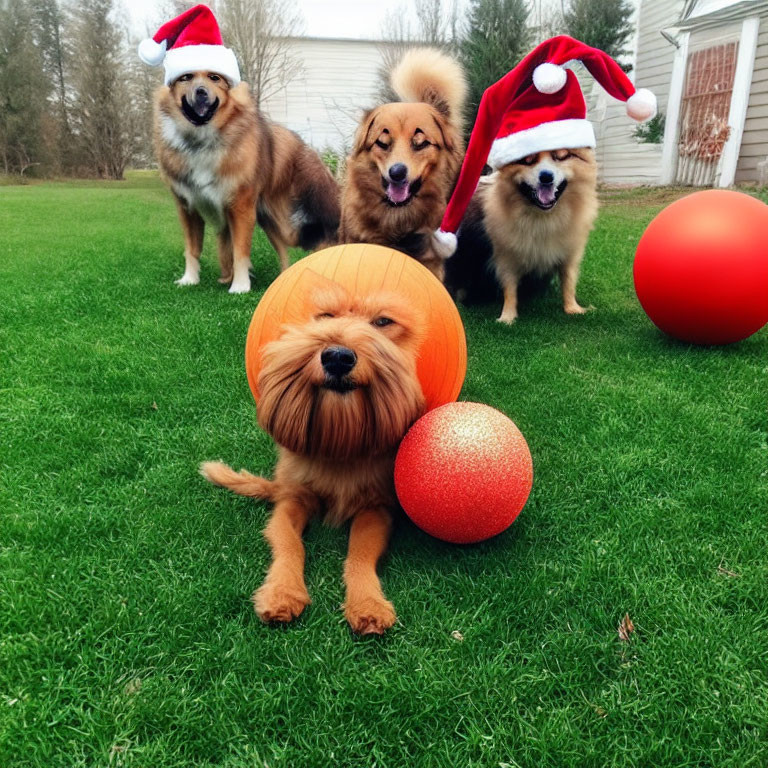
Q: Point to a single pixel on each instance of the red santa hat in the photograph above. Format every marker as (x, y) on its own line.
(190, 43)
(536, 107)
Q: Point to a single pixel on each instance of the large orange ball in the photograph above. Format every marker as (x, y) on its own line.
(463, 472)
(701, 268)
(362, 270)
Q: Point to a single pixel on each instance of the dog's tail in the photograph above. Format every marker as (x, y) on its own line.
(431, 76)
(241, 482)
(318, 209)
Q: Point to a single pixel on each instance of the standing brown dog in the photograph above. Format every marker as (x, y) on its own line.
(226, 164)
(337, 395)
(405, 159)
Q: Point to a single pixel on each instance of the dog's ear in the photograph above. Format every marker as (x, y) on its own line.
(363, 139)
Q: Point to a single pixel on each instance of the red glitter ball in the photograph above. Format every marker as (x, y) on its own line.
(463, 472)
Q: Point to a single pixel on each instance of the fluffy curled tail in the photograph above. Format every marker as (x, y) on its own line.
(241, 482)
(428, 75)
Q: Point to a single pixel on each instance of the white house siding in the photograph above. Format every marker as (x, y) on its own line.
(754, 144)
(622, 159)
(324, 102)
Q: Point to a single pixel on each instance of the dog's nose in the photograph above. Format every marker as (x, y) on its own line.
(201, 94)
(398, 172)
(338, 361)
(546, 177)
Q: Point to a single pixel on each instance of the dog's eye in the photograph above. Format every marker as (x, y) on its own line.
(381, 144)
(215, 78)
(530, 160)
(423, 145)
(323, 316)
(185, 78)
(563, 154)
(383, 322)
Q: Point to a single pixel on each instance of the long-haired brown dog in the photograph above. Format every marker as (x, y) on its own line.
(226, 164)
(531, 218)
(337, 394)
(405, 159)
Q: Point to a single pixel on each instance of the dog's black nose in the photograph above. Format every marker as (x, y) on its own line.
(546, 177)
(338, 361)
(201, 94)
(398, 172)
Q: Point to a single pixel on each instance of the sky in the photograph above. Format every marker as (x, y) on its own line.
(323, 18)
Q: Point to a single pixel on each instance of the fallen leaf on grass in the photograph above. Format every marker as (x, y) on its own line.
(456, 635)
(626, 628)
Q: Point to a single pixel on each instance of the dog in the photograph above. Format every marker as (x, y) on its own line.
(530, 219)
(228, 165)
(338, 393)
(405, 159)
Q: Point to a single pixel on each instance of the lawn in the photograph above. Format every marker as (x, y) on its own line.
(126, 633)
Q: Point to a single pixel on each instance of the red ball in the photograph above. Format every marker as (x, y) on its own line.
(701, 268)
(463, 472)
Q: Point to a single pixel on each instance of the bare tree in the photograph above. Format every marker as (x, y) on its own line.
(437, 24)
(24, 90)
(103, 104)
(259, 32)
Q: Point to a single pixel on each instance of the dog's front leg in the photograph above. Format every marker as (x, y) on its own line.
(569, 276)
(194, 230)
(225, 255)
(242, 220)
(366, 609)
(283, 595)
(509, 280)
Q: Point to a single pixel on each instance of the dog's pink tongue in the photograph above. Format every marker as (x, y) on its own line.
(398, 193)
(546, 194)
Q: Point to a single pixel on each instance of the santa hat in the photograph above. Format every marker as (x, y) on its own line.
(536, 107)
(190, 43)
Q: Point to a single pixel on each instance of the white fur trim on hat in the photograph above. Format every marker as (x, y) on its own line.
(549, 78)
(152, 53)
(444, 243)
(642, 105)
(559, 134)
(196, 58)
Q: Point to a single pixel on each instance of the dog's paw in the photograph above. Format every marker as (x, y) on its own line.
(370, 615)
(187, 279)
(278, 602)
(576, 309)
(240, 286)
(507, 319)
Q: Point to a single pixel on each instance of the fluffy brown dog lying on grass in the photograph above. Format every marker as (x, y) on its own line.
(338, 394)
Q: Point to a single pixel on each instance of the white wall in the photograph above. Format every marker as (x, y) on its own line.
(324, 103)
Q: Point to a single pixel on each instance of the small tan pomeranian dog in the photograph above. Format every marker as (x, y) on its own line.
(530, 218)
(338, 394)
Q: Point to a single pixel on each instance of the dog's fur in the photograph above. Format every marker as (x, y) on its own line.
(226, 164)
(406, 158)
(337, 428)
(530, 219)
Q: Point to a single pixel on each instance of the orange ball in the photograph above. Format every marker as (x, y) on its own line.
(463, 472)
(364, 269)
(701, 268)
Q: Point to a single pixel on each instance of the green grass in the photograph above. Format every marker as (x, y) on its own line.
(126, 634)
